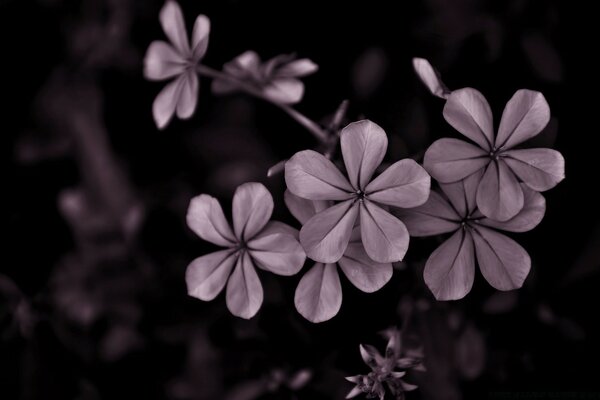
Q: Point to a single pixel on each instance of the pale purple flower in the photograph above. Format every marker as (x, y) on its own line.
(450, 270)
(318, 296)
(253, 242)
(499, 194)
(275, 79)
(387, 370)
(177, 60)
(325, 236)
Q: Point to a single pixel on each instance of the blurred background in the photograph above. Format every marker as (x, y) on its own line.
(93, 303)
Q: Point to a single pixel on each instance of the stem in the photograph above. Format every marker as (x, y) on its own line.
(303, 120)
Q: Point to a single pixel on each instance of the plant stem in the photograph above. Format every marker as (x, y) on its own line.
(303, 120)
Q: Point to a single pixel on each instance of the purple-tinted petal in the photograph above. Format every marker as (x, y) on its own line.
(354, 392)
(463, 194)
(304, 209)
(200, 37)
(534, 207)
(450, 270)
(384, 236)
(165, 103)
(162, 61)
(280, 253)
(430, 77)
(450, 160)
(524, 116)
(206, 276)
(499, 195)
(205, 217)
(252, 208)
(310, 175)
(284, 90)
(364, 144)
(279, 227)
(171, 19)
(470, 114)
(432, 218)
(404, 184)
(186, 104)
(370, 355)
(503, 262)
(297, 69)
(244, 290)
(326, 235)
(364, 273)
(319, 294)
(540, 169)
(243, 67)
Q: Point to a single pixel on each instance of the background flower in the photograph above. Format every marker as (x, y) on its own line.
(178, 60)
(253, 242)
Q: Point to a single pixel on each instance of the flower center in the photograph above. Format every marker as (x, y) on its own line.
(494, 154)
(361, 195)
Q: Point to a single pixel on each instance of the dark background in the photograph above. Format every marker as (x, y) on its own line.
(93, 302)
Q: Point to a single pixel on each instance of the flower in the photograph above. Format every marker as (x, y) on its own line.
(450, 270)
(388, 370)
(499, 194)
(276, 79)
(318, 296)
(405, 183)
(254, 241)
(176, 60)
(430, 78)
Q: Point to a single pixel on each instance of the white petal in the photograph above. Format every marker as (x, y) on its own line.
(162, 61)
(318, 296)
(524, 116)
(205, 217)
(171, 19)
(252, 209)
(206, 276)
(404, 184)
(244, 290)
(200, 36)
(384, 236)
(470, 114)
(280, 253)
(304, 209)
(364, 273)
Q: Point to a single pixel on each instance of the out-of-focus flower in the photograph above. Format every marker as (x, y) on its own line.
(312, 176)
(499, 194)
(276, 79)
(450, 270)
(430, 78)
(318, 296)
(387, 370)
(176, 60)
(254, 241)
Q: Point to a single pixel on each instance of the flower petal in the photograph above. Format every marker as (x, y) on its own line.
(364, 144)
(279, 227)
(450, 270)
(432, 218)
(200, 37)
(186, 104)
(524, 116)
(297, 69)
(540, 169)
(450, 160)
(165, 103)
(384, 236)
(171, 19)
(404, 184)
(326, 235)
(206, 276)
(318, 296)
(162, 61)
(310, 175)
(532, 213)
(279, 253)
(205, 217)
(304, 209)
(503, 262)
(463, 194)
(430, 77)
(244, 290)
(243, 67)
(252, 208)
(499, 195)
(364, 273)
(470, 114)
(284, 90)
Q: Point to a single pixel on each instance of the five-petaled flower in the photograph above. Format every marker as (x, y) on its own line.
(499, 194)
(325, 236)
(275, 79)
(450, 270)
(254, 241)
(176, 60)
(319, 294)
(387, 370)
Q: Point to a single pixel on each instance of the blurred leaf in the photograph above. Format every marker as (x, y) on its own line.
(369, 72)
(500, 302)
(470, 352)
(118, 342)
(543, 57)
